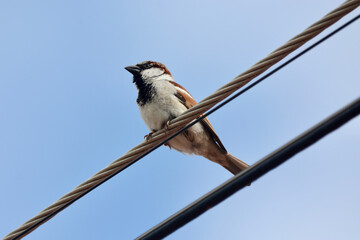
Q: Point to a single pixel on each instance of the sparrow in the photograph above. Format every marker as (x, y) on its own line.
(161, 99)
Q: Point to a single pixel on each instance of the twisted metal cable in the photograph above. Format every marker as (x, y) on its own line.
(176, 124)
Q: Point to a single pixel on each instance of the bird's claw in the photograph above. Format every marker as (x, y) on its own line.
(148, 136)
(166, 127)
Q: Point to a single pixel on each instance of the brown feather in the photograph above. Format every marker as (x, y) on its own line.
(188, 101)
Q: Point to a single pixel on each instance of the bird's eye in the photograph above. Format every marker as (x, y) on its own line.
(147, 65)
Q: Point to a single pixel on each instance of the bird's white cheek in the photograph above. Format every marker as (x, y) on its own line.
(152, 72)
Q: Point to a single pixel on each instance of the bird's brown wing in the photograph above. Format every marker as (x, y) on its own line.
(188, 101)
(207, 125)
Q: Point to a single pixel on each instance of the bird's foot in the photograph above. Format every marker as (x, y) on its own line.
(148, 136)
(166, 127)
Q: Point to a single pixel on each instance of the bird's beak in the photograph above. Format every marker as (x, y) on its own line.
(134, 70)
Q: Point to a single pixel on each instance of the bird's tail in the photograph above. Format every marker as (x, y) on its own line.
(233, 164)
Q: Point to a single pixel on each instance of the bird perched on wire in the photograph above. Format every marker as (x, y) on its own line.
(161, 99)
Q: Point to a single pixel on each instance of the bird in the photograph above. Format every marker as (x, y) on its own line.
(161, 99)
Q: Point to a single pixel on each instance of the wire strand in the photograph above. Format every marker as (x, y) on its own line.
(176, 124)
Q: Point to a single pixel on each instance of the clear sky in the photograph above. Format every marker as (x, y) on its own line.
(68, 109)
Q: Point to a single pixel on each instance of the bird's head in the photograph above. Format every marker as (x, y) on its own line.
(148, 71)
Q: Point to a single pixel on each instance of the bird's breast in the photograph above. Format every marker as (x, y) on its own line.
(154, 115)
(162, 107)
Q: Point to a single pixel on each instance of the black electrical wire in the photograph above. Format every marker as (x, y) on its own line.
(253, 172)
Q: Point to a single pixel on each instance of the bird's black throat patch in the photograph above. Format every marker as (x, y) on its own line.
(146, 91)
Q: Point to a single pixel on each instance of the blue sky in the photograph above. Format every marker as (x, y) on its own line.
(68, 109)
